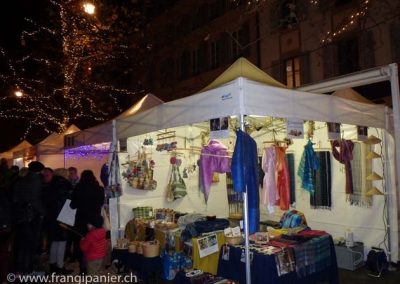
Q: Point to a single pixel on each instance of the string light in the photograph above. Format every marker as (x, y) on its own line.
(75, 89)
(350, 22)
(96, 151)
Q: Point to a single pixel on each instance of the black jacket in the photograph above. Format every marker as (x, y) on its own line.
(87, 199)
(54, 196)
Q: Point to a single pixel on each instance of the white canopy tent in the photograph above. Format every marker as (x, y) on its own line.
(50, 151)
(245, 90)
(103, 132)
(15, 155)
(90, 148)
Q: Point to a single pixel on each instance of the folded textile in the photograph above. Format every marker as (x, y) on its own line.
(312, 256)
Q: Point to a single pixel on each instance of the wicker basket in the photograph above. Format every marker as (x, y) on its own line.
(151, 249)
(139, 248)
(233, 240)
(132, 248)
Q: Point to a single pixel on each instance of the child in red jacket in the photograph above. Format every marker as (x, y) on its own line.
(93, 245)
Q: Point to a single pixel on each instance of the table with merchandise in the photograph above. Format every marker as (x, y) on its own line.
(306, 257)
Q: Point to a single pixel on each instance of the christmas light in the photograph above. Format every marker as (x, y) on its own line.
(89, 8)
(96, 151)
(72, 83)
(350, 21)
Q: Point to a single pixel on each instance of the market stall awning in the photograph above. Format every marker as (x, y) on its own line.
(352, 95)
(243, 68)
(102, 133)
(54, 143)
(21, 146)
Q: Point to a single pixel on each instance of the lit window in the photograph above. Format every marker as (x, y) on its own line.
(293, 72)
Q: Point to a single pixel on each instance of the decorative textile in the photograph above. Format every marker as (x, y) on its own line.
(312, 256)
(344, 156)
(270, 193)
(321, 198)
(283, 182)
(292, 178)
(308, 166)
(293, 218)
(214, 158)
(360, 167)
(245, 175)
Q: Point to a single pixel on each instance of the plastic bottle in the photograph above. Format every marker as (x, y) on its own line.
(348, 235)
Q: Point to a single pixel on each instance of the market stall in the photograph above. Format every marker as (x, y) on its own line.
(181, 132)
(50, 151)
(20, 155)
(90, 148)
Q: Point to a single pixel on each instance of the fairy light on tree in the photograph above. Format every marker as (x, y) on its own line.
(75, 64)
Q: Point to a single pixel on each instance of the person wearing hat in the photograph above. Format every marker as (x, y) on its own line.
(93, 245)
(29, 212)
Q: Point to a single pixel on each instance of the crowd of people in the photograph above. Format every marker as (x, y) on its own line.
(31, 200)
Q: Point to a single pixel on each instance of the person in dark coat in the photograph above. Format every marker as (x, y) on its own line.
(56, 191)
(29, 212)
(87, 199)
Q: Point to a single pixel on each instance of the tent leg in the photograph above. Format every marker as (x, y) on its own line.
(246, 221)
(394, 84)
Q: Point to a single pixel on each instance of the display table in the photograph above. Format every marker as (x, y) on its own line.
(264, 269)
(146, 267)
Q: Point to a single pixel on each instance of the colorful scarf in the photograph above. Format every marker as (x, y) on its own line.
(308, 166)
(360, 166)
(344, 156)
(321, 197)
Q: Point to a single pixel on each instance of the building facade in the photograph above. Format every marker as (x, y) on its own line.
(296, 41)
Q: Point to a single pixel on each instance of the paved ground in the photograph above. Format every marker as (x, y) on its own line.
(360, 276)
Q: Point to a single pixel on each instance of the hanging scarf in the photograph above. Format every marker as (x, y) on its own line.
(321, 197)
(308, 166)
(360, 166)
(245, 175)
(283, 182)
(344, 156)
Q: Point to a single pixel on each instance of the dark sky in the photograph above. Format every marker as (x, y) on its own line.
(12, 14)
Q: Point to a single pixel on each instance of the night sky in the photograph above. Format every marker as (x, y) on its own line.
(12, 14)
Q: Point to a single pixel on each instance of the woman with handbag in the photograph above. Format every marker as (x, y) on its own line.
(87, 199)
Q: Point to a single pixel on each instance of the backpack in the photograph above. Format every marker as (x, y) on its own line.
(377, 262)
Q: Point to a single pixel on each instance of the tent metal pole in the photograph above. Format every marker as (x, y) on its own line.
(394, 84)
(361, 78)
(387, 189)
(246, 219)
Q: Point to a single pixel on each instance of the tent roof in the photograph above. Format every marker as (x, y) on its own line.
(147, 102)
(352, 95)
(9, 153)
(243, 68)
(103, 133)
(57, 139)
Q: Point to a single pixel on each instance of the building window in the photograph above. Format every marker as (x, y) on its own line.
(288, 14)
(185, 65)
(293, 77)
(195, 62)
(215, 54)
(348, 56)
(239, 42)
(395, 41)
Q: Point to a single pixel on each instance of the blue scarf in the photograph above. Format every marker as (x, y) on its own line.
(308, 165)
(245, 175)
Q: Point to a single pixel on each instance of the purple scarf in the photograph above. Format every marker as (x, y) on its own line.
(344, 156)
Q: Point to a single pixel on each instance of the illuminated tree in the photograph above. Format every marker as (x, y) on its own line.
(74, 65)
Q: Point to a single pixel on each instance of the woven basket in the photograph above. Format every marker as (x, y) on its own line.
(151, 249)
(139, 248)
(234, 240)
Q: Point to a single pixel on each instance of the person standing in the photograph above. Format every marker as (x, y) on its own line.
(29, 212)
(93, 245)
(87, 199)
(73, 176)
(57, 190)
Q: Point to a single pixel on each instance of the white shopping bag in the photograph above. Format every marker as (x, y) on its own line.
(67, 215)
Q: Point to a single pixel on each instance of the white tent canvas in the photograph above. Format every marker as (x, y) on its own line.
(50, 151)
(103, 133)
(247, 94)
